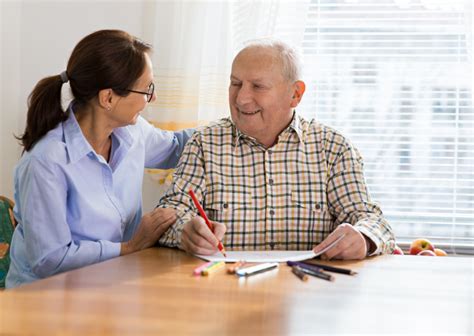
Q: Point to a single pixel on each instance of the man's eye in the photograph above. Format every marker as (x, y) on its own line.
(235, 84)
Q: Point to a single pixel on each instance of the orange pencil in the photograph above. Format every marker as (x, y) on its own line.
(235, 266)
(203, 215)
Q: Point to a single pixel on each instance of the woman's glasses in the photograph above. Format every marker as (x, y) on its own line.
(149, 94)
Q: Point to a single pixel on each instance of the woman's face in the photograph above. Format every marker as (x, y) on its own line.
(127, 109)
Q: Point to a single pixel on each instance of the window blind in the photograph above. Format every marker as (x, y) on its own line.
(396, 78)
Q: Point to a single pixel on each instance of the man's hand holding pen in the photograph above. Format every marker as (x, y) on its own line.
(197, 238)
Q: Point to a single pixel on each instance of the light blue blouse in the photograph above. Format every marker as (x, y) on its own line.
(73, 208)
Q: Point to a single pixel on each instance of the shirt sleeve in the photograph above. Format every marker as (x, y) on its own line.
(349, 201)
(189, 174)
(43, 206)
(163, 148)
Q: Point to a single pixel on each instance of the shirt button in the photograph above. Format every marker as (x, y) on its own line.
(272, 212)
(225, 205)
(270, 152)
(317, 206)
(270, 181)
(272, 245)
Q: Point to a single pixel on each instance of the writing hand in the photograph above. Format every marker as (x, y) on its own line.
(197, 238)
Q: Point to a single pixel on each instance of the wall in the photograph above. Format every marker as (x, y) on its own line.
(36, 39)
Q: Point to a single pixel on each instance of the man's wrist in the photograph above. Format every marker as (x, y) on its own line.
(370, 245)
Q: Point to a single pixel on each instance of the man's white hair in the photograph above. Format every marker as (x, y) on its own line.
(288, 56)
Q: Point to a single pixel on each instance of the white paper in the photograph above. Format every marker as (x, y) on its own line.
(267, 256)
(260, 256)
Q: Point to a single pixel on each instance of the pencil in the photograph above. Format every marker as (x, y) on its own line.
(303, 265)
(204, 216)
(235, 266)
(331, 268)
(213, 268)
(299, 273)
(199, 269)
(256, 269)
(319, 274)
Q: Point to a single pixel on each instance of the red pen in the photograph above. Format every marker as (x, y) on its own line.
(203, 215)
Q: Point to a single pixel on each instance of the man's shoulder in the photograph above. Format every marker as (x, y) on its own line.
(318, 132)
(314, 127)
(221, 128)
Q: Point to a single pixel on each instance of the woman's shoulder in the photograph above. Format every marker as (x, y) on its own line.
(50, 148)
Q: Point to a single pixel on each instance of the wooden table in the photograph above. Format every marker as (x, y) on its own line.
(153, 292)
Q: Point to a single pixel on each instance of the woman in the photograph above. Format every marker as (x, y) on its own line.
(78, 184)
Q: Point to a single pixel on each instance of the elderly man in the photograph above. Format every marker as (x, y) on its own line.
(268, 178)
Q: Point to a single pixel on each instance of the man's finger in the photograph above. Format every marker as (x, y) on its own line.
(219, 230)
(192, 247)
(201, 228)
(331, 242)
(200, 240)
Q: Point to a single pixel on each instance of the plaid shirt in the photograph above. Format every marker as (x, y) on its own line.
(287, 197)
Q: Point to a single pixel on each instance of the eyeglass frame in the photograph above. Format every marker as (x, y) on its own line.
(149, 94)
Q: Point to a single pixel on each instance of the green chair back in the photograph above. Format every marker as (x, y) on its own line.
(7, 226)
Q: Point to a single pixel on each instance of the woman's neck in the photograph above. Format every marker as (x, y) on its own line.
(96, 129)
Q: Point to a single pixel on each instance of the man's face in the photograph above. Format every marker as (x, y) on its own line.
(260, 98)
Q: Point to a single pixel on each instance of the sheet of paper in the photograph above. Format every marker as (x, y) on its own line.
(267, 256)
(260, 256)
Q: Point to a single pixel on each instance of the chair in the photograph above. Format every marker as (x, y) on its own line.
(7, 226)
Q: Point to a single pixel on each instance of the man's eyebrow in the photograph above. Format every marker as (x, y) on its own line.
(253, 80)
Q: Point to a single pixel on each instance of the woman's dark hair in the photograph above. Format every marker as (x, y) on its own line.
(106, 59)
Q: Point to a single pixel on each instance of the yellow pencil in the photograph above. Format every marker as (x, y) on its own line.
(213, 268)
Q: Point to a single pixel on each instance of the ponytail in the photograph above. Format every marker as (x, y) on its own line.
(44, 111)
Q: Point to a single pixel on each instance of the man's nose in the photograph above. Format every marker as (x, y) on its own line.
(244, 95)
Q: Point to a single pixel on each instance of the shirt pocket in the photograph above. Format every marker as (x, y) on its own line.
(315, 220)
(227, 206)
(237, 211)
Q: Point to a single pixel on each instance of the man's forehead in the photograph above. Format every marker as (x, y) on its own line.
(256, 64)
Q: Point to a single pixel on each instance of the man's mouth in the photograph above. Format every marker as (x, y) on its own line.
(249, 112)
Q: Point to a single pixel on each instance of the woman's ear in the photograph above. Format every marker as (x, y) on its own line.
(105, 99)
(298, 90)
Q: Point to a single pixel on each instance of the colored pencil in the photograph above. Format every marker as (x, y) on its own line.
(235, 266)
(331, 268)
(199, 269)
(303, 265)
(319, 274)
(256, 269)
(213, 268)
(204, 216)
(299, 273)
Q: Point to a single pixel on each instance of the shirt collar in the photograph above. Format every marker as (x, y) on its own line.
(78, 146)
(295, 126)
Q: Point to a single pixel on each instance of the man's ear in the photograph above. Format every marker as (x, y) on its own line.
(298, 90)
(105, 99)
